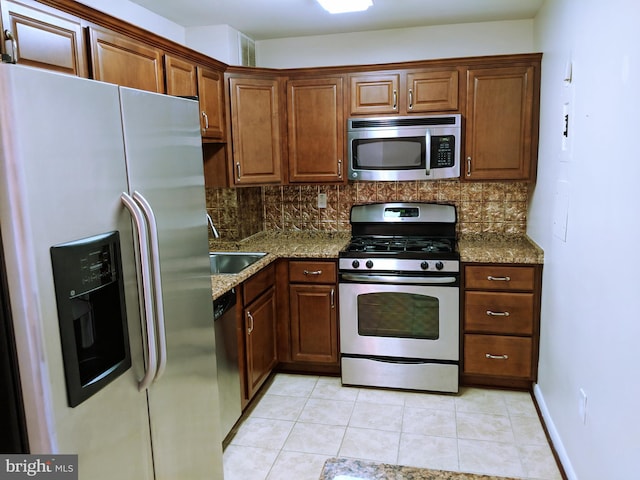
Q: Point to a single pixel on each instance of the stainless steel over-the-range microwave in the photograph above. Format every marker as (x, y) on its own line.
(404, 148)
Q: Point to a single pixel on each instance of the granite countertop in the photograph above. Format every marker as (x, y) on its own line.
(473, 248)
(345, 468)
(277, 245)
(488, 248)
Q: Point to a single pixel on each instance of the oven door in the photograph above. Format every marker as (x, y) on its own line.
(400, 319)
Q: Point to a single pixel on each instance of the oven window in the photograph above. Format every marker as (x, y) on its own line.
(389, 153)
(400, 315)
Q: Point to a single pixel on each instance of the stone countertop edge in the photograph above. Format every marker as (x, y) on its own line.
(339, 468)
(485, 248)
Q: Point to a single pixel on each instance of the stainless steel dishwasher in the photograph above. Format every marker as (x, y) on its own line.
(224, 310)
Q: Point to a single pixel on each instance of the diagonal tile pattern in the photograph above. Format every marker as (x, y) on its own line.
(302, 420)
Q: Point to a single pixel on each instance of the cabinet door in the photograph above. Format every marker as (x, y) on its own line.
(260, 339)
(211, 93)
(180, 77)
(125, 61)
(44, 38)
(316, 130)
(432, 91)
(374, 94)
(500, 123)
(255, 130)
(314, 336)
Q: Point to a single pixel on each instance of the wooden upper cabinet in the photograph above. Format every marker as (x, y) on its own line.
(184, 79)
(501, 123)
(255, 130)
(43, 37)
(404, 92)
(316, 130)
(374, 93)
(211, 95)
(180, 77)
(125, 61)
(432, 91)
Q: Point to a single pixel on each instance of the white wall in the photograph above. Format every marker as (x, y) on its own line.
(139, 16)
(217, 41)
(399, 45)
(591, 286)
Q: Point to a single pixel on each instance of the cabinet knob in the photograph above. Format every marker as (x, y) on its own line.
(468, 166)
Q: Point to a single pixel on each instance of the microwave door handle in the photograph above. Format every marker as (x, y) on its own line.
(427, 153)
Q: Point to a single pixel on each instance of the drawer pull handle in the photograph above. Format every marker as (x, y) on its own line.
(313, 272)
(498, 279)
(496, 357)
(497, 314)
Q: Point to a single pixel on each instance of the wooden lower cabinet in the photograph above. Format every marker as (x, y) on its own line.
(313, 323)
(258, 327)
(500, 324)
(308, 322)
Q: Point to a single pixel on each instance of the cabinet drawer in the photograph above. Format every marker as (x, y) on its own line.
(499, 312)
(312, 272)
(497, 355)
(258, 283)
(499, 277)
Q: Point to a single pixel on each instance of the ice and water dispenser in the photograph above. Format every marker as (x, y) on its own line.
(91, 313)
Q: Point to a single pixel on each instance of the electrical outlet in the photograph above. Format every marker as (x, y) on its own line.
(322, 200)
(582, 406)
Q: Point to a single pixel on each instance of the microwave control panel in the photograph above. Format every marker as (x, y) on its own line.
(443, 151)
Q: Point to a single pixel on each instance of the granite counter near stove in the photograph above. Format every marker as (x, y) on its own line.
(345, 468)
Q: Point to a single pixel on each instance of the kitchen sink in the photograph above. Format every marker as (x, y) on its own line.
(233, 262)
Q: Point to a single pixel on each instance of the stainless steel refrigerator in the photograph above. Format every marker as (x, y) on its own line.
(107, 291)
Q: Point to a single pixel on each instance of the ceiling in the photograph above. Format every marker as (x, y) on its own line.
(269, 19)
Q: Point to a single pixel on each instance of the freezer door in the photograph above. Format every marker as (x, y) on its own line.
(164, 166)
(62, 171)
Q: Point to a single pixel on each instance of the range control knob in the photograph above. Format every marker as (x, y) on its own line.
(369, 264)
(355, 264)
(439, 265)
(424, 265)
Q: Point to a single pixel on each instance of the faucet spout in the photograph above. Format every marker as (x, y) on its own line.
(214, 231)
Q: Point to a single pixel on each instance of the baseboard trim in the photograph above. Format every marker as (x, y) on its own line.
(553, 434)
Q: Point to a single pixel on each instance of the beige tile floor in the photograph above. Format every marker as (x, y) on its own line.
(302, 420)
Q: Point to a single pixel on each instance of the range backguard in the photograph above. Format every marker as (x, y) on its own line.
(92, 316)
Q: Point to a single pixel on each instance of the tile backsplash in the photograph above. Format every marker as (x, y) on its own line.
(487, 207)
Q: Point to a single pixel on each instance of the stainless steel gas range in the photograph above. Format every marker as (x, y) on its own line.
(399, 297)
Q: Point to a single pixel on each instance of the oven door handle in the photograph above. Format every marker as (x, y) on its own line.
(397, 279)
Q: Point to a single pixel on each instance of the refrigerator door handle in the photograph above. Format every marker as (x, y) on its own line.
(157, 281)
(145, 272)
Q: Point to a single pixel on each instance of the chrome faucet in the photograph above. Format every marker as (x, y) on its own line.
(214, 231)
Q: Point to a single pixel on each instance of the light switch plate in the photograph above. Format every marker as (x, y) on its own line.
(322, 200)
